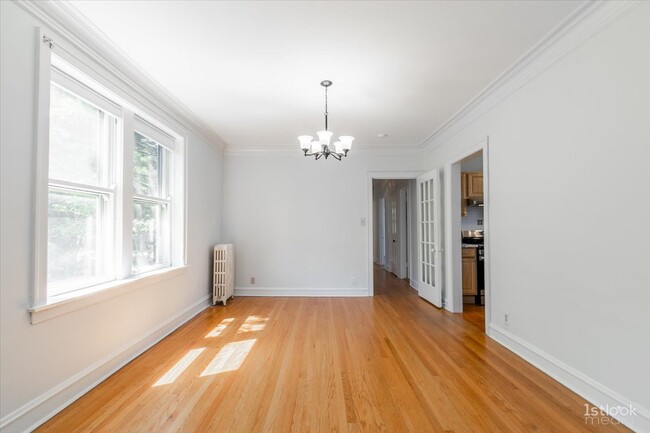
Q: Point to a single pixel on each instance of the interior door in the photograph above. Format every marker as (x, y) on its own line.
(393, 234)
(429, 239)
(382, 232)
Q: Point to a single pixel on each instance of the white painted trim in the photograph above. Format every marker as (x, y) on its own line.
(76, 30)
(369, 217)
(72, 301)
(38, 294)
(588, 388)
(85, 380)
(301, 292)
(579, 27)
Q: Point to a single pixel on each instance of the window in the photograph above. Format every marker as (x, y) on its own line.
(151, 203)
(114, 199)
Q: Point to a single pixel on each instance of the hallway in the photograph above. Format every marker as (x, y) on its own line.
(390, 363)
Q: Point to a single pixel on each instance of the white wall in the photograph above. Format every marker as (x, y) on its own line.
(576, 289)
(36, 359)
(295, 222)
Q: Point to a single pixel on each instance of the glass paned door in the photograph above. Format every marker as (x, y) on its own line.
(429, 245)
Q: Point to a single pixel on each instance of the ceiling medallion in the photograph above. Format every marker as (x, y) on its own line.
(322, 146)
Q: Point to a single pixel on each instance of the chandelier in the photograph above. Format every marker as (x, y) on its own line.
(322, 146)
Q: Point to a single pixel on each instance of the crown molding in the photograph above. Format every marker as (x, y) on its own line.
(71, 25)
(580, 26)
(294, 149)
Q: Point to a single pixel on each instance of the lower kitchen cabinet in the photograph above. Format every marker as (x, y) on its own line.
(470, 284)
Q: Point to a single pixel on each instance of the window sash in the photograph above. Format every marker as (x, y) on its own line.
(156, 134)
(104, 233)
(72, 85)
(165, 228)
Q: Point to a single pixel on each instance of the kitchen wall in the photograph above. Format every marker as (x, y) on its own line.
(575, 289)
(473, 164)
(296, 222)
(44, 366)
(471, 220)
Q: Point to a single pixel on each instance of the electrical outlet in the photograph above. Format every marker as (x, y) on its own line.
(252, 280)
(479, 222)
(354, 281)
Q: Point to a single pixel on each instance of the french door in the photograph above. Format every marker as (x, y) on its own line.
(429, 239)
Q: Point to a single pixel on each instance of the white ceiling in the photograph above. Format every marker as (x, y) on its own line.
(251, 70)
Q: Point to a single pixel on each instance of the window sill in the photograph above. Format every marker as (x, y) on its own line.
(63, 304)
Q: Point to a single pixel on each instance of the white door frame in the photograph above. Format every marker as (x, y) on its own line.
(380, 175)
(453, 261)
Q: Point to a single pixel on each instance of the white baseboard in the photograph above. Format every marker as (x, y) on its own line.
(306, 292)
(45, 406)
(413, 284)
(591, 390)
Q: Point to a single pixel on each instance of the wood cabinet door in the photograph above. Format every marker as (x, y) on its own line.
(469, 276)
(474, 185)
(463, 194)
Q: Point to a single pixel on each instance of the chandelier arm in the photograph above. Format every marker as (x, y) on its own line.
(336, 156)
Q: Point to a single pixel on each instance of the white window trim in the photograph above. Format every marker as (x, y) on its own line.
(43, 307)
(72, 301)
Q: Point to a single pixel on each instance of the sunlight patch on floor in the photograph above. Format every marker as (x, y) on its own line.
(229, 358)
(219, 328)
(252, 324)
(180, 366)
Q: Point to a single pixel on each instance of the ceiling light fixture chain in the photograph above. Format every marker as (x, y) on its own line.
(322, 147)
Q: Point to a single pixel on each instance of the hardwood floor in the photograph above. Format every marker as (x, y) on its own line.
(391, 363)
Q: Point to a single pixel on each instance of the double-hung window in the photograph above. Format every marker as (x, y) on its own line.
(114, 206)
(151, 198)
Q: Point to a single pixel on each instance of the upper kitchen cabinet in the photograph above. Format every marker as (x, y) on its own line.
(463, 192)
(474, 186)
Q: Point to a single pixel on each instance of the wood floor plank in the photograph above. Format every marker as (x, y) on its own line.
(390, 363)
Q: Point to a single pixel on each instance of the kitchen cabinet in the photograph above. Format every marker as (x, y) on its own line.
(463, 194)
(470, 283)
(474, 186)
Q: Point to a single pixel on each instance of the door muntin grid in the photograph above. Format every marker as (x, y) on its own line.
(427, 239)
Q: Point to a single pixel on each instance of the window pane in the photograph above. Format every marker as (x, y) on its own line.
(147, 166)
(76, 144)
(74, 238)
(149, 233)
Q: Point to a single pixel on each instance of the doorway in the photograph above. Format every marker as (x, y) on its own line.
(391, 212)
(413, 233)
(467, 234)
(391, 235)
